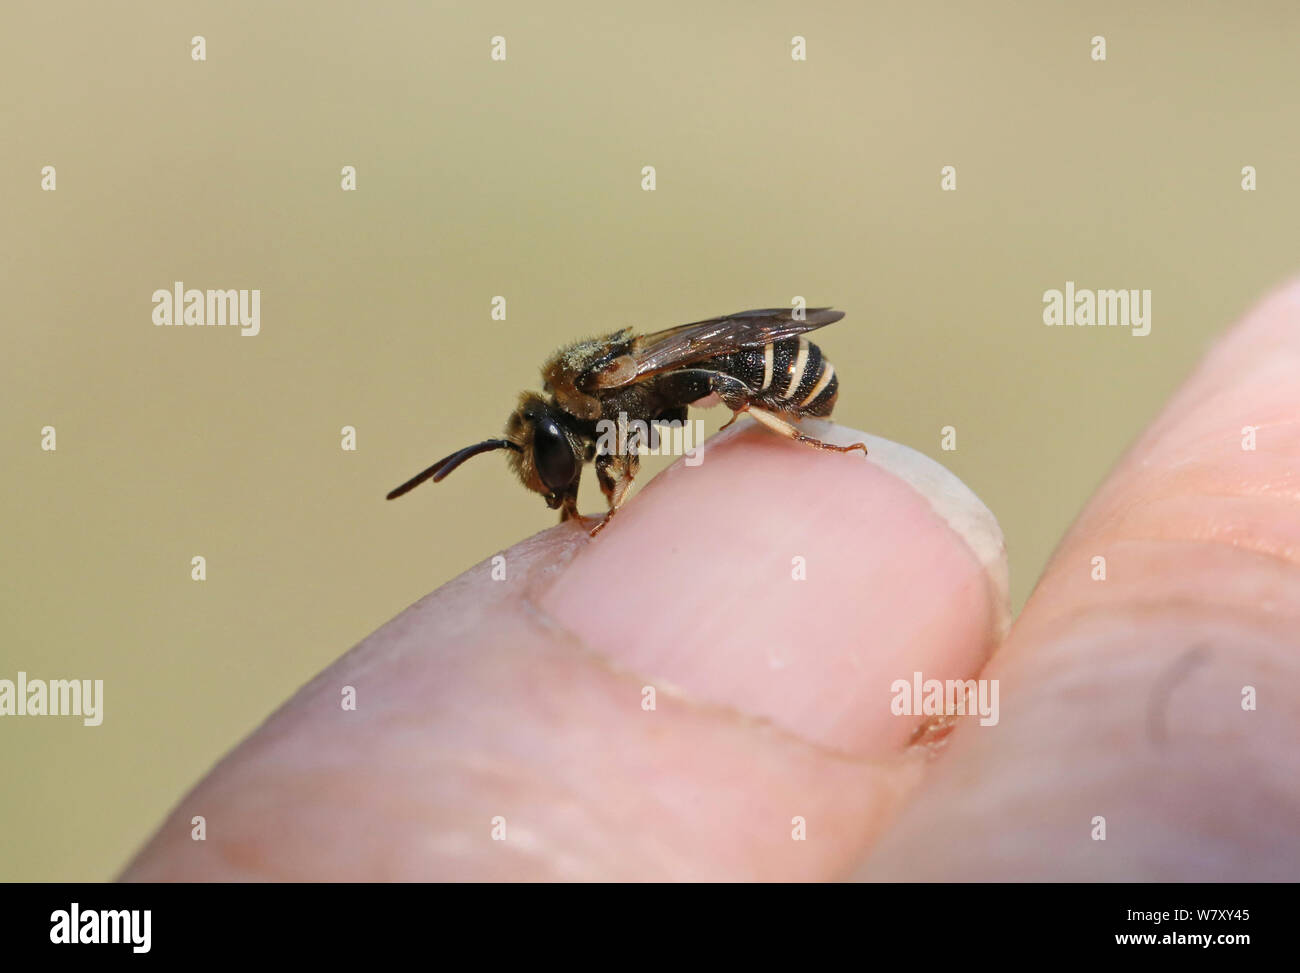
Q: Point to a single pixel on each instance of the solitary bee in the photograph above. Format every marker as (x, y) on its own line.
(754, 362)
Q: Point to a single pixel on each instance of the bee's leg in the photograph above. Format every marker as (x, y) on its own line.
(569, 502)
(615, 472)
(569, 509)
(777, 424)
(692, 384)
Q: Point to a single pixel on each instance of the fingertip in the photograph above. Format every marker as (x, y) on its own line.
(794, 585)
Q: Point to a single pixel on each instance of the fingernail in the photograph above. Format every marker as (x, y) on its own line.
(951, 500)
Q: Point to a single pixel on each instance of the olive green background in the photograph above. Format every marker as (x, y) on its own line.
(522, 178)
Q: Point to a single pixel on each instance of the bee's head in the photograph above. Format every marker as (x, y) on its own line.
(548, 454)
(545, 452)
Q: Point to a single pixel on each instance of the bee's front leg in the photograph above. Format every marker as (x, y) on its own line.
(615, 473)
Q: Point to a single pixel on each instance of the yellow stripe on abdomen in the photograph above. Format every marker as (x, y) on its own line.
(828, 371)
(796, 370)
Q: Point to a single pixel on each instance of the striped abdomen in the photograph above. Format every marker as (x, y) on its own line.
(788, 376)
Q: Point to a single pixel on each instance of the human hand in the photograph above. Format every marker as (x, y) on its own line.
(522, 699)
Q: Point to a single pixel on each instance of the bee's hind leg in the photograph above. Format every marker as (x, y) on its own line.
(736, 414)
(779, 425)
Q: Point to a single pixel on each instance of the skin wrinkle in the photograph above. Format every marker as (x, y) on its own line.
(1162, 525)
(1287, 578)
(737, 718)
(1191, 746)
(1064, 622)
(1175, 673)
(1102, 637)
(1283, 554)
(1182, 428)
(1250, 487)
(1239, 481)
(544, 853)
(1099, 636)
(1139, 508)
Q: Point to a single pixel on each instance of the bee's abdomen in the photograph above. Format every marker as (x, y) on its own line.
(789, 375)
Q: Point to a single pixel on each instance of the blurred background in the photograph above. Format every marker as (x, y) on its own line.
(522, 178)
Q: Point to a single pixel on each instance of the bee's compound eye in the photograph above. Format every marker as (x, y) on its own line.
(556, 463)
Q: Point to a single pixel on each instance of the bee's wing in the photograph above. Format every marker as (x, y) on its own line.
(686, 343)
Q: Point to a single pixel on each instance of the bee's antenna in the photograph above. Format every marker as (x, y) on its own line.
(448, 463)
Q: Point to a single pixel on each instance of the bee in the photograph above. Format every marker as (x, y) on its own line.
(754, 362)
